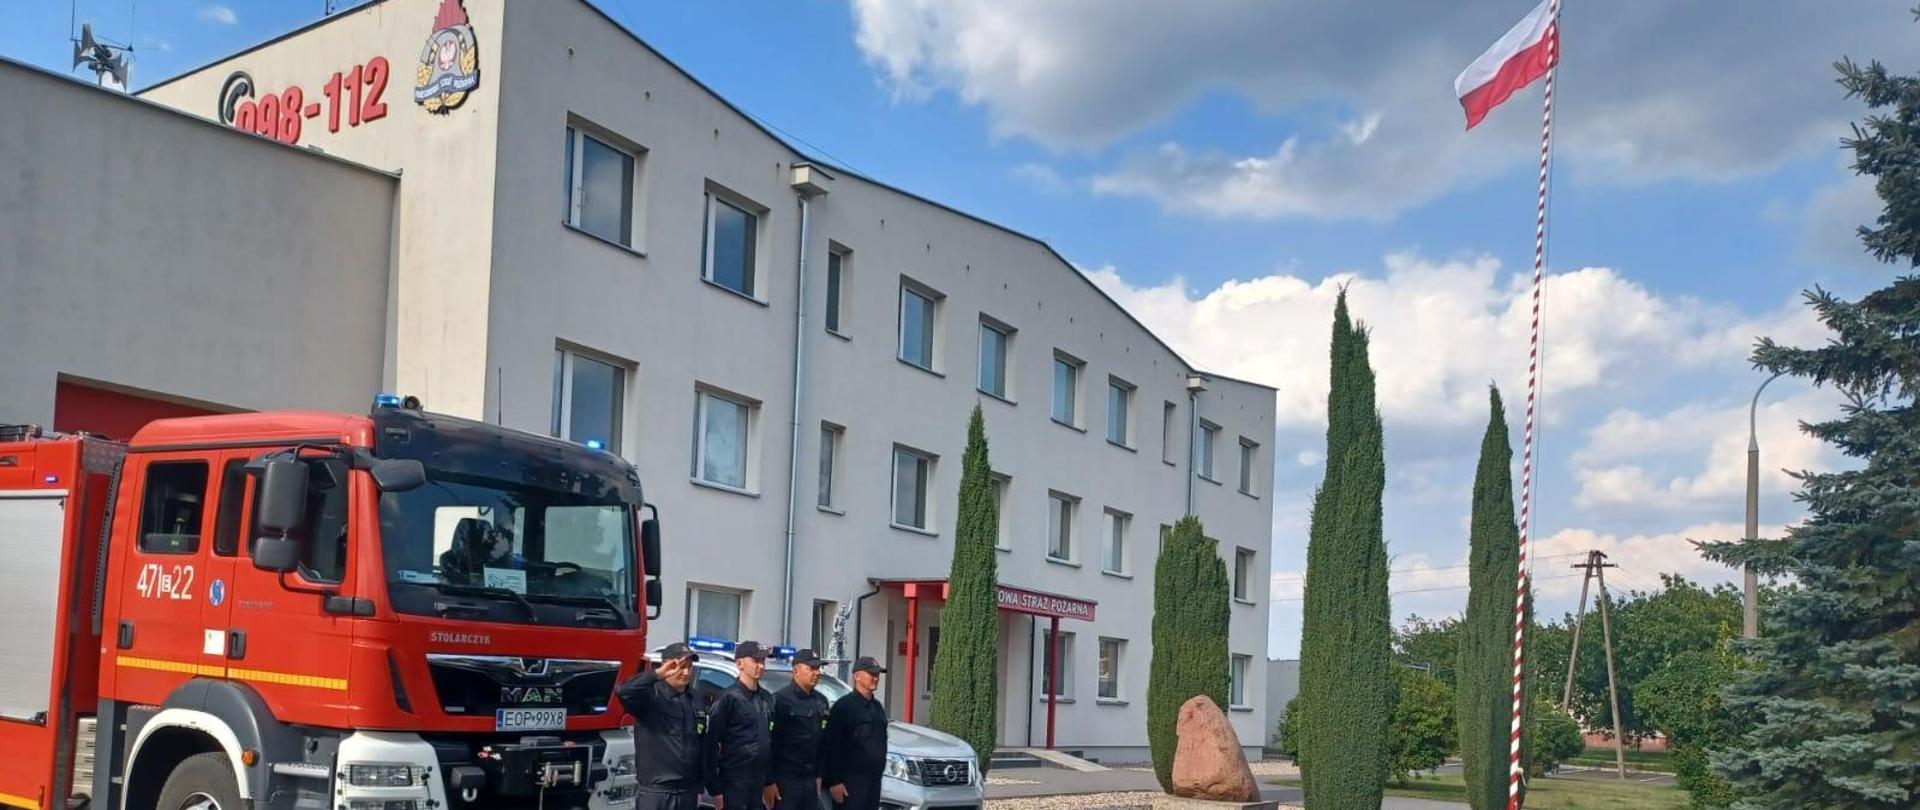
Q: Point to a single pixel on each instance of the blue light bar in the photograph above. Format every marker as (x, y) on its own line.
(785, 652)
(595, 444)
(386, 400)
(710, 644)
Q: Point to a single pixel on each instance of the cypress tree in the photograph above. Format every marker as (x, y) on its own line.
(967, 664)
(1190, 614)
(1833, 696)
(1347, 631)
(1485, 693)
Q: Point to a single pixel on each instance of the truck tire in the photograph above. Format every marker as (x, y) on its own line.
(201, 782)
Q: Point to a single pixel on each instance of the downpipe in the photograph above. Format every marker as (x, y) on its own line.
(793, 446)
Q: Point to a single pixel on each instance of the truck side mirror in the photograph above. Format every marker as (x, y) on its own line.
(650, 545)
(277, 554)
(280, 504)
(398, 474)
(654, 599)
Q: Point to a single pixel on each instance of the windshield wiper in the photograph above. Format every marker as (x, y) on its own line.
(533, 614)
(613, 612)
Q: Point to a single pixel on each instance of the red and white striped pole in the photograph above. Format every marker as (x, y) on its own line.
(1514, 770)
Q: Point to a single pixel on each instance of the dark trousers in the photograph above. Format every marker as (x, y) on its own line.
(798, 793)
(743, 797)
(652, 798)
(862, 794)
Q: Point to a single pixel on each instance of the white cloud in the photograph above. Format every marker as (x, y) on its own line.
(1642, 559)
(1041, 176)
(217, 14)
(1613, 469)
(1309, 458)
(1831, 220)
(1652, 89)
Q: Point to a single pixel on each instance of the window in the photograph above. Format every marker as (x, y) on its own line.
(599, 187)
(1248, 453)
(722, 437)
(1066, 390)
(830, 435)
(994, 340)
(912, 474)
(1119, 412)
(918, 310)
(1243, 574)
(1237, 680)
(1063, 686)
(1113, 556)
(731, 233)
(1166, 432)
(1002, 539)
(176, 492)
(587, 399)
(1165, 530)
(233, 494)
(715, 613)
(821, 639)
(1203, 449)
(1062, 512)
(322, 534)
(837, 261)
(1112, 652)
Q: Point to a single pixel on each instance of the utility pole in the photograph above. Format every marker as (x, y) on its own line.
(1596, 567)
(1573, 651)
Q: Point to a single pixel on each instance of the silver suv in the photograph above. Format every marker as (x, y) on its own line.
(926, 769)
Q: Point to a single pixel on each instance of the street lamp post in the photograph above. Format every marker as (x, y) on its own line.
(1750, 612)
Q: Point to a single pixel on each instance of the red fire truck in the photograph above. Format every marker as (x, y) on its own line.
(391, 611)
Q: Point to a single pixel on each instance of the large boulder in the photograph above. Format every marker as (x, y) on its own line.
(1207, 762)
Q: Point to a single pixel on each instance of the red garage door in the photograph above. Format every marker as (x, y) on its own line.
(112, 413)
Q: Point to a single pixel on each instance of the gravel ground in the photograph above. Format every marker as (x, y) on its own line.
(1085, 801)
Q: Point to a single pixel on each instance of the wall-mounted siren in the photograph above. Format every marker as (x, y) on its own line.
(104, 59)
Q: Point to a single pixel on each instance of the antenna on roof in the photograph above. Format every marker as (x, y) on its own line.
(103, 58)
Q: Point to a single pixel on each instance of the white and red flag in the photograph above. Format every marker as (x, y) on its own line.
(1525, 53)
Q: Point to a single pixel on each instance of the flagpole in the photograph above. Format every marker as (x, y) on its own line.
(1515, 772)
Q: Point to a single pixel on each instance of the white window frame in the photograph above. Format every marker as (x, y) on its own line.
(821, 630)
(561, 424)
(1076, 404)
(934, 300)
(1114, 529)
(1249, 456)
(1064, 519)
(750, 454)
(1239, 670)
(1203, 451)
(926, 500)
(1244, 560)
(1125, 423)
(833, 441)
(694, 589)
(715, 196)
(833, 317)
(1065, 682)
(577, 135)
(1006, 333)
(1118, 670)
(1002, 489)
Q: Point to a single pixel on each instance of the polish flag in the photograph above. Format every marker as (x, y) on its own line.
(1528, 50)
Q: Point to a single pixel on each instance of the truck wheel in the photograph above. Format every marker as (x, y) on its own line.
(201, 782)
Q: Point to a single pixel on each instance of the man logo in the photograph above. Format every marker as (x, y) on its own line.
(531, 695)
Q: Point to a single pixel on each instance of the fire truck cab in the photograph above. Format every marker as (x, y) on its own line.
(390, 611)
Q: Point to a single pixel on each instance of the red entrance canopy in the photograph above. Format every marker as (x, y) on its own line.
(1053, 606)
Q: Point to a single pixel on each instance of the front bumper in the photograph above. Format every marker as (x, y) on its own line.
(897, 794)
(592, 772)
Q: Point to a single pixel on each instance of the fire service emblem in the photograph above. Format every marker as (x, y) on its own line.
(450, 62)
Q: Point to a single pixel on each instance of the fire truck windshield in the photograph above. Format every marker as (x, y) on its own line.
(473, 548)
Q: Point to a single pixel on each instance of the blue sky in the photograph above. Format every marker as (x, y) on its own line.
(1222, 166)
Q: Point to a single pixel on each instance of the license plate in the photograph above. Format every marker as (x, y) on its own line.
(529, 719)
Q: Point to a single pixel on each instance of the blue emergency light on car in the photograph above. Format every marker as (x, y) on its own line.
(715, 645)
(595, 444)
(386, 400)
(784, 652)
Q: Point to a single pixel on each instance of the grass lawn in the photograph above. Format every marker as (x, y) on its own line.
(1636, 760)
(1550, 794)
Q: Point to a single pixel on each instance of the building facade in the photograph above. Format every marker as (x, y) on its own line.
(587, 241)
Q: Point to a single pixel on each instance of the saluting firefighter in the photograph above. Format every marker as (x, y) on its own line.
(668, 732)
(740, 743)
(855, 749)
(799, 724)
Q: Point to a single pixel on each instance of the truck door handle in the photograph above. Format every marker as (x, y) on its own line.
(125, 639)
(236, 643)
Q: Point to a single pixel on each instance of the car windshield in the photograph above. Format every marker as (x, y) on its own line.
(514, 552)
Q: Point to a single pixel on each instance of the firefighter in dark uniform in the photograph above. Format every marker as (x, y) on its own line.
(799, 723)
(739, 742)
(855, 748)
(668, 729)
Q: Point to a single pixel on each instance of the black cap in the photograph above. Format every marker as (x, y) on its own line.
(868, 665)
(749, 649)
(807, 658)
(677, 651)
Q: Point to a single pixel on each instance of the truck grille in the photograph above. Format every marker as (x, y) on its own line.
(945, 772)
(478, 684)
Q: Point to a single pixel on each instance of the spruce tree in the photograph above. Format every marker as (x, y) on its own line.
(1190, 614)
(967, 665)
(1833, 695)
(1347, 631)
(1485, 691)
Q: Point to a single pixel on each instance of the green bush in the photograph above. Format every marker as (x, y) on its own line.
(1556, 737)
(1422, 734)
(1289, 731)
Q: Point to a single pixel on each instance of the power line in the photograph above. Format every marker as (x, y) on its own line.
(1425, 569)
(1429, 590)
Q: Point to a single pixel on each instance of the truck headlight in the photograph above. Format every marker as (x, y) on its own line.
(903, 768)
(383, 774)
(382, 804)
(622, 766)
